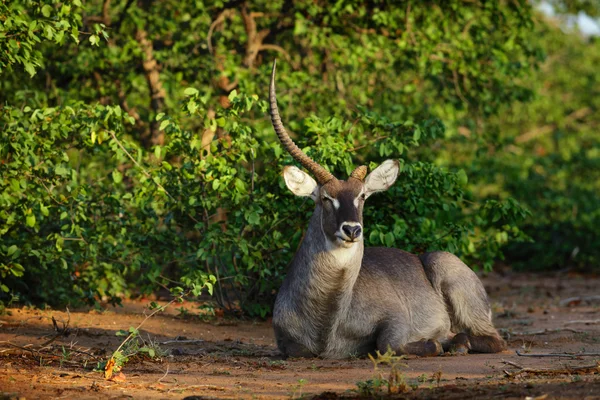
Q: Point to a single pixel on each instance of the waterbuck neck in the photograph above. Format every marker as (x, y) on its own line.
(321, 280)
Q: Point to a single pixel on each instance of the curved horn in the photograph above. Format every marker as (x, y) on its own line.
(359, 173)
(320, 173)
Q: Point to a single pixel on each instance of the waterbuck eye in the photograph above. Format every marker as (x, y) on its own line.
(325, 199)
(363, 196)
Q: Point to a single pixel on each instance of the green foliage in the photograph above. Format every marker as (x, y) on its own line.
(27, 24)
(55, 222)
(547, 156)
(141, 157)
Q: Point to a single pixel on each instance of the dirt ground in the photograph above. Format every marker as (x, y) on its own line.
(224, 358)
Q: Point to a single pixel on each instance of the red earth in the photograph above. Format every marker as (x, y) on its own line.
(196, 357)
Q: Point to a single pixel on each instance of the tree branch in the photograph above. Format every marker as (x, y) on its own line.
(157, 92)
(545, 129)
(228, 13)
(106, 12)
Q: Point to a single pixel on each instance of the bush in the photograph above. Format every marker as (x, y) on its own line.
(90, 215)
(136, 153)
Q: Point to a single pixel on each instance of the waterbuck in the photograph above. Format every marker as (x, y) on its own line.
(341, 299)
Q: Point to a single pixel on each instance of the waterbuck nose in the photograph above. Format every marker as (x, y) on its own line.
(352, 231)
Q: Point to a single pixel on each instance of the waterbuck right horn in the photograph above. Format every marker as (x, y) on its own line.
(359, 173)
(321, 174)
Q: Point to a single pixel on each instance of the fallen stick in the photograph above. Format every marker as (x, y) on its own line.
(185, 341)
(584, 321)
(576, 300)
(545, 331)
(557, 354)
(564, 370)
(206, 387)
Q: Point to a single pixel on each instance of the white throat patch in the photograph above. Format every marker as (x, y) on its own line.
(343, 255)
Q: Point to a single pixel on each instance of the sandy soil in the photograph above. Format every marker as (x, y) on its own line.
(223, 358)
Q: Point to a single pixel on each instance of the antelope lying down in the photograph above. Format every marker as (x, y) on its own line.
(340, 299)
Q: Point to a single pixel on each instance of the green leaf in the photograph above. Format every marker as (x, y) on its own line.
(30, 220)
(12, 250)
(389, 239)
(209, 287)
(253, 218)
(417, 133)
(462, 178)
(46, 10)
(61, 170)
(30, 68)
(240, 185)
(190, 91)
(117, 176)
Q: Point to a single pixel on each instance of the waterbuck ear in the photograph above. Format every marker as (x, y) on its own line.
(299, 182)
(382, 177)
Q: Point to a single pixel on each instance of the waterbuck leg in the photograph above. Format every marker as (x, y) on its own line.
(466, 300)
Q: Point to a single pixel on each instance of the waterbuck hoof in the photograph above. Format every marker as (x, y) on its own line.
(460, 344)
(432, 348)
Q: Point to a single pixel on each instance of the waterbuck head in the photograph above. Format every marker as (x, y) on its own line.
(340, 202)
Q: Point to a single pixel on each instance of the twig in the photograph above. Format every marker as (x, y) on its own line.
(584, 321)
(38, 352)
(147, 317)
(146, 172)
(557, 354)
(190, 341)
(139, 166)
(579, 299)
(32, 351)
(564, 370)
(59, 332)
(86, 353)
(208, 387)
(165, 375)
(513, 364)
(545, 331)
(457, 87)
